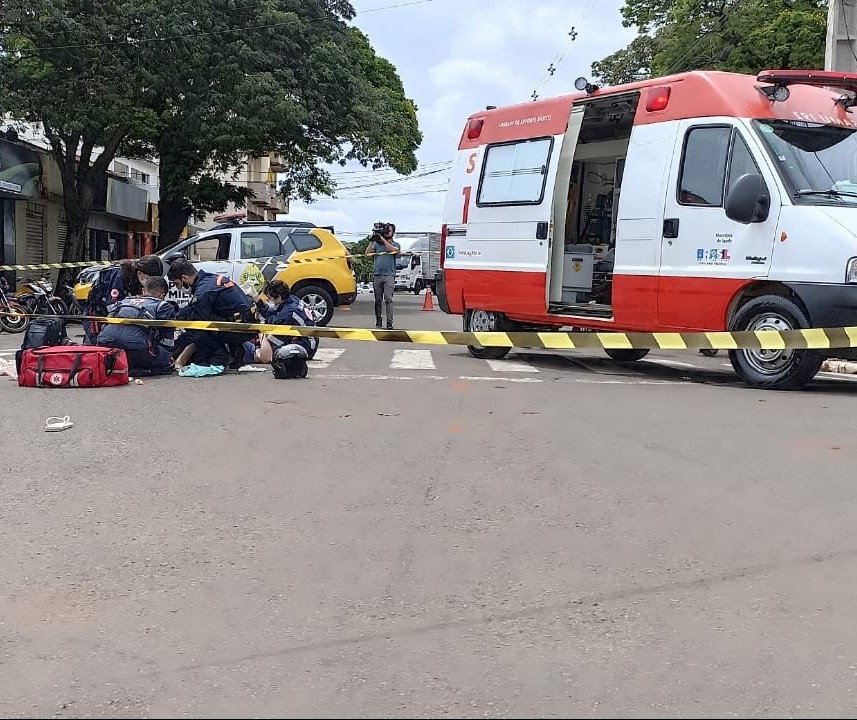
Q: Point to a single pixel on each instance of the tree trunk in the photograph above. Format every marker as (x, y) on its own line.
(78, 196)
(172, 219)
(79, 179)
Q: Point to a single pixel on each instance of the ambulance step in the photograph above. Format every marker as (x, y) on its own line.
(586, 310)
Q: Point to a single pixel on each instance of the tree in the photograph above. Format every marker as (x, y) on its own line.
(283, 76)
(734, 35)
(363, 265)
(72, 66)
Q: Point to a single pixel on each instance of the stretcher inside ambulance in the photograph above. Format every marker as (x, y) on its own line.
(704, 201)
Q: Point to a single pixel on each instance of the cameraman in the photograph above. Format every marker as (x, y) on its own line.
(384, 278)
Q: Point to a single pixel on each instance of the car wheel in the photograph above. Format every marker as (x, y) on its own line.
(485, 321)
(773, 369)
(319, 301)
(623, 355)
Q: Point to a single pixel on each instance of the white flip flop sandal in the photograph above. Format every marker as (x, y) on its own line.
(57, 424)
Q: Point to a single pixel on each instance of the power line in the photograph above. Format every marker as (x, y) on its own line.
(394, 180)
(359, 174)
(721, 23)
(391, 195)
(560, 56)
(393, 7)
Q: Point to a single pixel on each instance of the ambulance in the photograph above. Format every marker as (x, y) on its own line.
(705, 201)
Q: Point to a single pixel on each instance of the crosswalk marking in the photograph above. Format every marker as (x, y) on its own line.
(412, 360)
(325, 356)
(511, 366)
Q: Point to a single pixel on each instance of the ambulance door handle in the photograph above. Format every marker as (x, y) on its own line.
(542, 231)
(671, 228)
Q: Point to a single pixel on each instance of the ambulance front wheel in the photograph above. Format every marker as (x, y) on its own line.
(773, 369)
(626, 355)
(485, 321)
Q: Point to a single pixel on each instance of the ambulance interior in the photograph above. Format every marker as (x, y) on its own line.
(586, 209)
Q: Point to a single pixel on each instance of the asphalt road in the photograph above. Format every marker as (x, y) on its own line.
(425, 535)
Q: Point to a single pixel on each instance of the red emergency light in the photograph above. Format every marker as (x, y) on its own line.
(814, 78)
(474, 128)
(230, 217)
(658, 100)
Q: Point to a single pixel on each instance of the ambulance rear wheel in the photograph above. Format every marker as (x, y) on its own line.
(773, 369)
(626, 355)
(485, 321)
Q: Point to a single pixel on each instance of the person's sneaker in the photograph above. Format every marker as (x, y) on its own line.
(378, 325)
(390, 326)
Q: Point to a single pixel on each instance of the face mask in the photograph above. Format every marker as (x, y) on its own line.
(272, 305)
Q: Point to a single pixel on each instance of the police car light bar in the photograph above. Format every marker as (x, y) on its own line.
(227, 217)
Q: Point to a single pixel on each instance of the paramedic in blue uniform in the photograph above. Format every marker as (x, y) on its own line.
(214, 298)
(281, 308)
(113, 284)
(148, 349)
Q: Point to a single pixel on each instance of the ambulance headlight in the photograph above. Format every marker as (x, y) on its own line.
(851, 271)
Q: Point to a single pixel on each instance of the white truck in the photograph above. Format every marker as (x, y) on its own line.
(416, 271)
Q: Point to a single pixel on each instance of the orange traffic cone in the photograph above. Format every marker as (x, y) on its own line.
(428, 304)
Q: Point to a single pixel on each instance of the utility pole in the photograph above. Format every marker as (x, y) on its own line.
(841, 50)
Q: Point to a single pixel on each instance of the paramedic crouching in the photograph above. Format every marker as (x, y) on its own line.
(215, 298)
(148, 349)
(283, 308)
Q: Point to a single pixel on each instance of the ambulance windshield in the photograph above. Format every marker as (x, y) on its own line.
(817, 162)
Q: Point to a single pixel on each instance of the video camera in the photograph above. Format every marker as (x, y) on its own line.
(381, 228)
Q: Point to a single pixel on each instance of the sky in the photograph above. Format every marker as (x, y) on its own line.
(455, 57)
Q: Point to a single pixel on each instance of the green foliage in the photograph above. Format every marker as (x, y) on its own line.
(733, 35)
(201, 84)
(302, 83)
(363, 266)
(73, 66)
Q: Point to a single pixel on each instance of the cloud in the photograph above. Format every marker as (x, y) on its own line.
(454, 58)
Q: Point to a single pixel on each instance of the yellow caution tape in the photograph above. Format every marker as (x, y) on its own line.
(811, 339)
(58, 266)
(279, 263)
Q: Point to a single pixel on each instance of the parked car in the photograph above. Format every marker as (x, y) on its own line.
(310, 259)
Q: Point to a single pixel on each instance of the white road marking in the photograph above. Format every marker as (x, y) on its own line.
(496, 379)
(412, 360)
(325, 356)
(7, 352)
(511, 366)
(674, 363)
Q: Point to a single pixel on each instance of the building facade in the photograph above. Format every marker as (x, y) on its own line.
(259, 174)
(124, 218)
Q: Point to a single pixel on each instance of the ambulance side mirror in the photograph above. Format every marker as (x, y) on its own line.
(748, 200)
(175, 255)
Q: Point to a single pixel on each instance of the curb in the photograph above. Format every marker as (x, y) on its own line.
(839, 366)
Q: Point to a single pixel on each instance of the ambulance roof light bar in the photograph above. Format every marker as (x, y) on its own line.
(779, 80)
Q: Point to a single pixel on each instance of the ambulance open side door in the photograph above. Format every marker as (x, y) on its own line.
(510, 210)
(561, 196)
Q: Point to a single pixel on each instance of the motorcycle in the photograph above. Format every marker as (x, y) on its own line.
(13, 316)
(37, 296)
